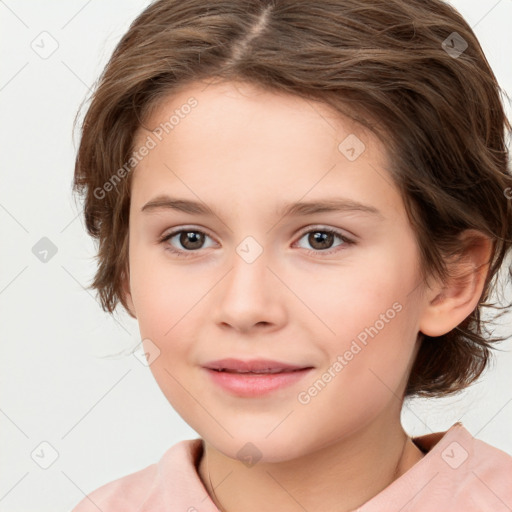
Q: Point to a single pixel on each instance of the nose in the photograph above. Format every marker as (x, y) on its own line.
(250, 297)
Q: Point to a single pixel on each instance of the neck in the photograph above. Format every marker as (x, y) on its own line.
(338, 477)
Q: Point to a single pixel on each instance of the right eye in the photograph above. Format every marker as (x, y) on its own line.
(190, 239)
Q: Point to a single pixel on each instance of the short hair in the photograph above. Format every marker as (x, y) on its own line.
(411, 71)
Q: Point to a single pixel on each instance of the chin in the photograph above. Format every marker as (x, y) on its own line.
(255, 448)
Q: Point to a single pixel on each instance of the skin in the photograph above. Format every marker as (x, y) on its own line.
(244, 152)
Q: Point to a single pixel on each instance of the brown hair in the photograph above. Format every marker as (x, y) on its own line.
(399, 67)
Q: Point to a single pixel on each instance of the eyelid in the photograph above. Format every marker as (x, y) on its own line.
(322, 227)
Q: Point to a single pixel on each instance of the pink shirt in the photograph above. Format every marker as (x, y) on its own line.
(459, 473)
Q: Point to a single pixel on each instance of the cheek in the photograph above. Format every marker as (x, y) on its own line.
(168, 299)
(366, 370)
(351, 299)
(166, 317)
(163, 292)
(371, 322)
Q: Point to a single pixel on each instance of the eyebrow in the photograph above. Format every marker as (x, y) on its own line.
(164, 202)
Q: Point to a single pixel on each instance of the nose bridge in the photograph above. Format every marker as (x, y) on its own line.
(248, 296)
(249, 267)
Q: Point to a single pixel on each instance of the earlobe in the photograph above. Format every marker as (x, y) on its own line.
(450, 303)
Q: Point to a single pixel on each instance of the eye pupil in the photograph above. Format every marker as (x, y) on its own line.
(322, 237)
(193, 237)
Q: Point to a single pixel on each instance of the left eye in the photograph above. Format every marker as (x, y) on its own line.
(321, 239)
(192, 240)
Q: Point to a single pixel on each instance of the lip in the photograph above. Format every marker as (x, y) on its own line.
(254, 384)
(251, 365)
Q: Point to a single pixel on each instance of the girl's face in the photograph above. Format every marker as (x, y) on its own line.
(251, 282)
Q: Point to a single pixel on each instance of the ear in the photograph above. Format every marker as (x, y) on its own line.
(127, 296)
(451, 302)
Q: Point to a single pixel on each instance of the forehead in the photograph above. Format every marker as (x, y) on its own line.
(240, 108)
(236, 139)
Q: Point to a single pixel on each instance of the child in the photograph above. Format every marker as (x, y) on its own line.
(305, 205)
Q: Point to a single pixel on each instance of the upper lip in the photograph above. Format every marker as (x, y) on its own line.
(252, 365)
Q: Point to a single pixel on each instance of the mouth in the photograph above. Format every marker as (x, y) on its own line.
(260, 366)
(254, 378)
(259, 372)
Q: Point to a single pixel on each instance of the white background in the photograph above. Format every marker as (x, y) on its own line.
(105, 416)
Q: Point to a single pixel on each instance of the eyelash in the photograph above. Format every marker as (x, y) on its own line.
(330, 231)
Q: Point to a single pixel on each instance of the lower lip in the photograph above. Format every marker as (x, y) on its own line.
(253, 384)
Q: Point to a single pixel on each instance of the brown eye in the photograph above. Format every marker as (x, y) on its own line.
(191, 239)
(186, 241)
(320, 239)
